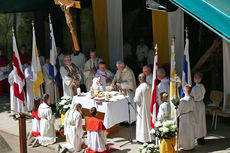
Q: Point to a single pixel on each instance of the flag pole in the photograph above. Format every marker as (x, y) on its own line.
(186, 31)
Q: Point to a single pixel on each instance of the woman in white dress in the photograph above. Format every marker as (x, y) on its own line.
(47, 130)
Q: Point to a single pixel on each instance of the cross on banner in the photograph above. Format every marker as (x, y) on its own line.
(66, 6)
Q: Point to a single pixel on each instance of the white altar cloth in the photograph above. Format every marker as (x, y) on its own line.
(116, 110)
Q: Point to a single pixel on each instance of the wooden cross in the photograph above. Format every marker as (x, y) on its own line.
(66, 6)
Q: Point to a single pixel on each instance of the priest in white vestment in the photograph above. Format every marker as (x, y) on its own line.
(163, 86)
(78, 58)
(73, 129)
(50, 85)
(68, 71)
(90, 69)
(198, 93)
(15, 104)
(30, 96)
(106, 75)
(47, 130)
(148, 73)
(124, 79)
(143, 101)
(95, 134)
(186, 112)
(164, 112)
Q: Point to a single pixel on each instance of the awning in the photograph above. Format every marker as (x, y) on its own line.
(214, 14)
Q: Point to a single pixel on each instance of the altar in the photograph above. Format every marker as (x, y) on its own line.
(111, 112)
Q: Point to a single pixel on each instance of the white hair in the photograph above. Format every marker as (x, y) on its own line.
(120, 63)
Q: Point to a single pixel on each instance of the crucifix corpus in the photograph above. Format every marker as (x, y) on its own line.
(66, 6)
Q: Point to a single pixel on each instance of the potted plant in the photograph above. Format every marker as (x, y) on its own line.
(166, 131)
(149, 148)
(63, 105)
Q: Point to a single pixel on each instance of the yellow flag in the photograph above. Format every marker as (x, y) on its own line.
(36, 67)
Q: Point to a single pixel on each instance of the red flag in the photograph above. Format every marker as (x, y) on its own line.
(154, 104)
(19, 79)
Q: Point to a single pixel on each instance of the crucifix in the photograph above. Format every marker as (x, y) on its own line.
(66, 6)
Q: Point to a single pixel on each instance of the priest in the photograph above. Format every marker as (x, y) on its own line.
(105, 74)
(30, 96)
(124, 79)
(148, 73)
(4, 72)
(143, 100)
(69, 73)
(96, 134)
(186, 112)
(50, 85)
(163, 86)
(90, 69)
(78, 58)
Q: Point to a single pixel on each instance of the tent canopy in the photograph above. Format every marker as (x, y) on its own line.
(215, 14)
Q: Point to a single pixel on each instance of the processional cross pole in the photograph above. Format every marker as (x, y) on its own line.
(66, 6)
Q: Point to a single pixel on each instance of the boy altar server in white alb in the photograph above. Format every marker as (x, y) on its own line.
(30, 96)
(143, 100)
(15, 104)
(198, 92)
(50, 85)
(187, 122)
(47, 130)
(90, 69)
(163, 86)
(73, 129)
(164, 109)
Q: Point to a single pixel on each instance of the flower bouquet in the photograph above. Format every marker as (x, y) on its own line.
(149, 148)
(175, 102)
(166, 131)
(63, 105)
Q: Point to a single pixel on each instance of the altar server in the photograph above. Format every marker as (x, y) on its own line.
(164, 109)
(4, 72)
(73, 129)
(187, 121)
(198, 92)
(96, 134)
(29, 87)
(143, 100)
(36, 119)
(90, 69)
(69, 72)
(15, 103)
(50, 86)
(163, 86)
(105, 74)
(47, 130)
(78, 58)
(124, 79)
(148, 73)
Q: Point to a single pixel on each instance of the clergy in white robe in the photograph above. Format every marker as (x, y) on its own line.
(4, 72)
(164, 112)
(163, 86)
(15, 104)
(73, 129)
(30, 96)
(60, 56)
(143, 101)
(186, 112)
(49, 83)
(97, 85)
(67, 76)
(198, 93)
(148, 73)
(96, 134)
(142, 51)
(78, 58)
(124, 79)
(106, 75)
(90, 69)
(47, 130)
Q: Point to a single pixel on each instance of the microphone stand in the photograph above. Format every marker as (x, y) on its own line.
(130, 140)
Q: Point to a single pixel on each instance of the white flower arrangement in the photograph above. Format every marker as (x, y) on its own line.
(149, 148)
(164, 129)
(64, 104)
